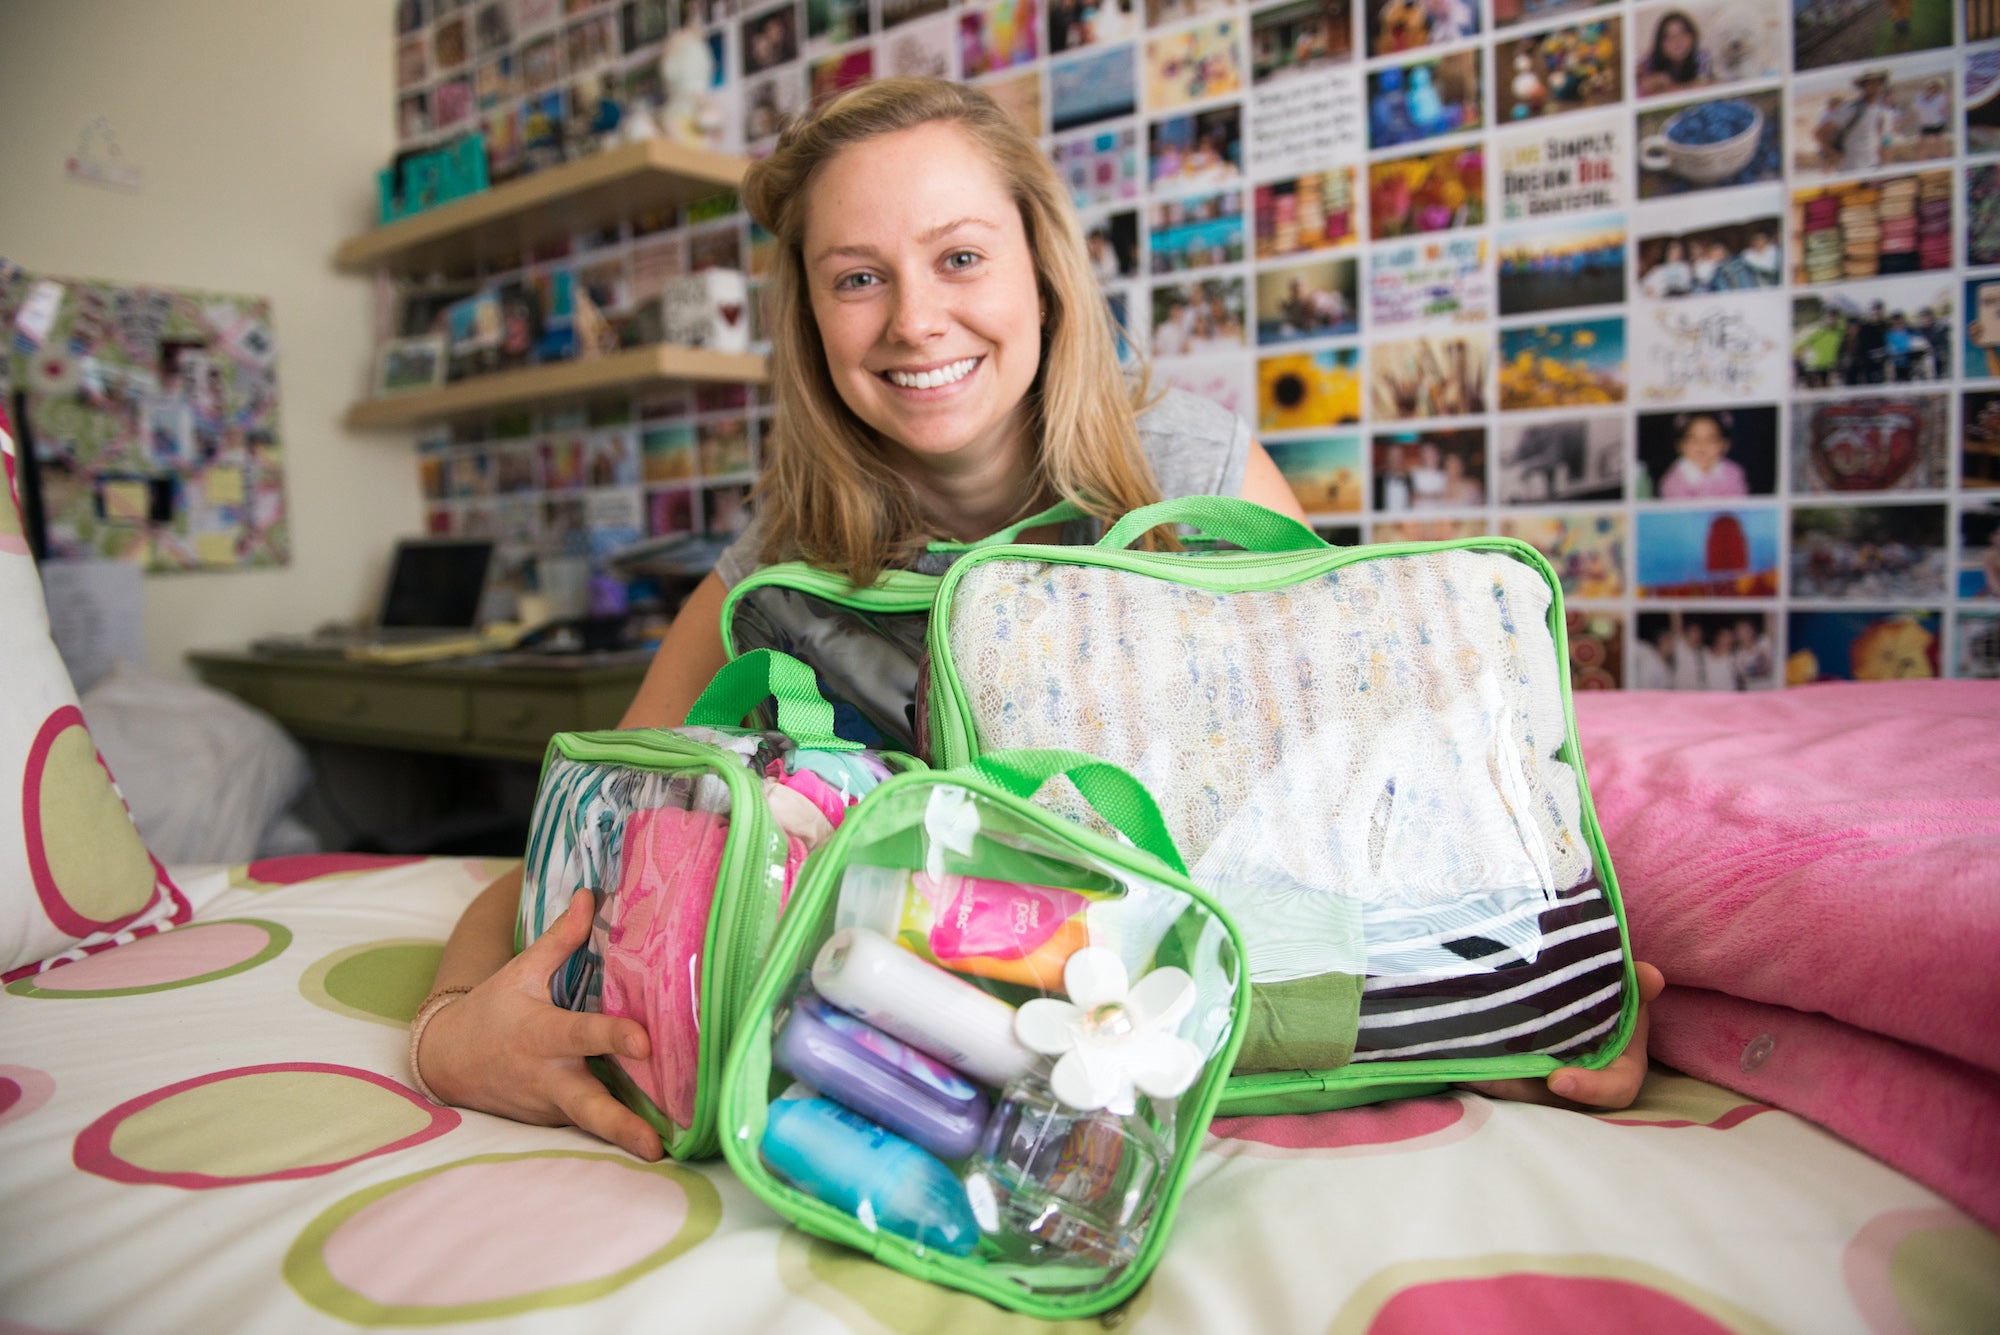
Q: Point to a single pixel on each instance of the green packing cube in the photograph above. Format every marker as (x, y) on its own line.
(988, 1041)
(689, 840)
(1368, 757)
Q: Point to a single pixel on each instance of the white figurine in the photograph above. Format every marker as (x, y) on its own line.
(692, 115)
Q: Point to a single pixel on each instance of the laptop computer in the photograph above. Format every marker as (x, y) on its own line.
(431, 601)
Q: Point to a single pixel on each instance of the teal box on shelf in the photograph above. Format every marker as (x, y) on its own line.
(420, 181)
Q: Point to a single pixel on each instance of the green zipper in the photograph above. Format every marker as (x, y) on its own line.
(895, 592)
(728, 949)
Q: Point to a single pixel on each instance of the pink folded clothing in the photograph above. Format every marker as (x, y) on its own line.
(668, 867)
(1929, 1116)
(1831, 848)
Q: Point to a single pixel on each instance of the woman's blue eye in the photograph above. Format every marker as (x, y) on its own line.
(854, 280)
(961, 259)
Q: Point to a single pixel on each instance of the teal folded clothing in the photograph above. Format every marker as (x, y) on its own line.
(1301, 1024)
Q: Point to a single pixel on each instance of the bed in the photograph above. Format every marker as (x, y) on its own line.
(211, 1127)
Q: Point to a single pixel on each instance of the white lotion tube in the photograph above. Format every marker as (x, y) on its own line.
(927, 1007)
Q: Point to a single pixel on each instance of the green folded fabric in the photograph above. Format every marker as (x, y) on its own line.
(1301, 1024)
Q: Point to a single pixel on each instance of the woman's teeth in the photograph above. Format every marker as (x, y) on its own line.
(943, 375)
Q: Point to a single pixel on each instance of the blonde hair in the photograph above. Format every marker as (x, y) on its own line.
(831, 497)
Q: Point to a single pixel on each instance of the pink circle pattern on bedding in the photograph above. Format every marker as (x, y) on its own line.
(1923, 1272)
(257, 1124)
(1525, 1294)
(1376, 1128)
(22, 1090)
(269, 872)
(181, 957)
(495, 1235)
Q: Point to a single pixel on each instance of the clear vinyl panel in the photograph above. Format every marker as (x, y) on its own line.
(1363, 766)
(988, 1036)
(652, 846)
(866, 662)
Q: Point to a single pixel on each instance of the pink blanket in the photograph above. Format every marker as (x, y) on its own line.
(1830, 848)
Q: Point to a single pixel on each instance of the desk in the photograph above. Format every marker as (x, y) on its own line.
(463, 707)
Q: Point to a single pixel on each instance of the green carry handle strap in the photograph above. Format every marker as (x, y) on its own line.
(1112, 792)
(1060, 513)
(742, 685)
(1245, 523)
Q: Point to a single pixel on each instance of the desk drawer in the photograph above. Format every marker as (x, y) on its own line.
(420, 708)
(526, 716)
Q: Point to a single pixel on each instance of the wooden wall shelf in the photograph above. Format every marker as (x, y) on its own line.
(497, 227)
(557, 382)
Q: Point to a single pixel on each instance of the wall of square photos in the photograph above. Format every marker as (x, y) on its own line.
(1702, 298)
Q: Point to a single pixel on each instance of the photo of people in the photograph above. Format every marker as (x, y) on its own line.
(1703, 651)
(1196, 232)
(1596, 649)
(1982, 330)
(1575, 364)
(1293, 40)
(1895, 552)
(1713, 553)
(1705, 43)
(1555, 265)
(1194, 65)
(1430, 470)
(1203, 316)
(1095, 87)
(1867, 119)
(1425, 99)
(1563, 69)
(1978, 644)
(1868, 229)
(1835, 32)
(1405, 25)
(1430, 192)
(1315, 300)
(1979, 551)
(1435, 376)
(1324, 472)
(1861, 646)
(1982, 102)
(1507, 13)
(1874, 443)
(1079, 23)
(1725, 258)
(1707, 454)
(1113, 245)
(1979, 428)
(1311, 212)
(1711, 144)
(1303, 391)
(1203, 148)
(1571, 459)
(770, 103)
(1890, 331)
(1587, 549)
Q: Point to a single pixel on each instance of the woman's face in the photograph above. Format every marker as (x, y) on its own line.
(924, 291)
(1676, 39)
(1703, 443)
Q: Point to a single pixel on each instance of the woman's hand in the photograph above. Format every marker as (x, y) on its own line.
(1575, 1086)
(506, 1048)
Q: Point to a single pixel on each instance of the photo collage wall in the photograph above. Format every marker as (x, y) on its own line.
(1700, 298)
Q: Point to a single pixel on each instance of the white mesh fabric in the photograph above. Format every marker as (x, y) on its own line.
(1384, 734)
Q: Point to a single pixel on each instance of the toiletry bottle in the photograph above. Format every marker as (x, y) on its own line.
(844, 1159)
(925, 1006)
(1012, 931)
(880, 1077)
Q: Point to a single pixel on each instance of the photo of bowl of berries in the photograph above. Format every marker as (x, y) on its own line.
(1705, 143)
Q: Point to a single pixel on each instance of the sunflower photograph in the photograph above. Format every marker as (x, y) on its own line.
(1304, 390)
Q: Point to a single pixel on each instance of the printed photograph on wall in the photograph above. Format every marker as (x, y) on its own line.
(1303, 391)
(1113, 244)
(1316, 211)
(838, 73)
(1866, 119)
(666, 452)
(1425, 99)
(1875, 442)
(770, 38)
(1567, 460)
(1429, 192)
(1707, 349)
(924, 50)
(831, 21)
(1710, 144)
(1982, 330)
(1194, 65)
(1080, 23)
(1563, 69)
(1596, 649)
(1438, 469)
(997, 36)
(1978, 649)
(1872, 229)
(1203, 316)
(1723, 256)
(1324, 472)
(1305, 124)
(1507, 13)
(1981, 87)
(1227, 381)
(1395, 26)
(1439, 375)
(1203, 148)
(1572, 364)
(1095, 87)
(1862, 646)
(1707, 454)
(895, 12)
(1703, 651)
(1101, 168)
(1424, 530)
(1573, 166)
(1022, 97)
(1707, 553)
(1560, 264)
(1692, 44)
(1874, 552)
(1978, 574)
(1979, 443)
(1441, 278)
(1293, 40)
(1885, 331)
(1307, 301)
(1587, 549)
(1982, 214)
(1195, 232)
(669, 513)
(1828, 33)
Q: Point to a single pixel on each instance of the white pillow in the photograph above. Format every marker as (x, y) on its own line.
(204, 774)
(75, 876)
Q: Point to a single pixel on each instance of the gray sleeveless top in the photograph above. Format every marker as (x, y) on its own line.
(1196, 448)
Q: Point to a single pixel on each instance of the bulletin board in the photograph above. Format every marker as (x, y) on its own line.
(153, 413)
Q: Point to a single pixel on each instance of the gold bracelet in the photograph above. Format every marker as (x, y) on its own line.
(433, 1003)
